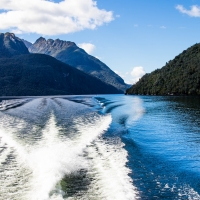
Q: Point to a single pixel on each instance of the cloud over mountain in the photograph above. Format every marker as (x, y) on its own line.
(137, 73)
(88, 47)
(51, 18)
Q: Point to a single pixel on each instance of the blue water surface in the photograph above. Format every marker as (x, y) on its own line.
(156, 137)
(162, 137)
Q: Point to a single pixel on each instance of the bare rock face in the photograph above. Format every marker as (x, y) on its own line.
(10, 45)
(50, 47)
(70, 53)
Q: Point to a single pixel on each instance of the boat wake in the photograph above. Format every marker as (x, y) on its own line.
(55, 159)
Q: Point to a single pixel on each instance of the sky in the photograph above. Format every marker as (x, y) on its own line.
(132, 37)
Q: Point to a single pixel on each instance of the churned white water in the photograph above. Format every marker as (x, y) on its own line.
(109, 171)
(34, 170)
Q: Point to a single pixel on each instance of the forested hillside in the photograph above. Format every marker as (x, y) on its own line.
(180, 76)
(39, 74)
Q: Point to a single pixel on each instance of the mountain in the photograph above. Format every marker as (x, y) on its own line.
(22, 73)
(27, 43)
(10, 45)
(180, 76)
(39, 74)
(70, 53)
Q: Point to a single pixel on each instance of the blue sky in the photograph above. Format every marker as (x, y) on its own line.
(128, 35)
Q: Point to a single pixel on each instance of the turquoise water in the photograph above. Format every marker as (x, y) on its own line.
(100, 147)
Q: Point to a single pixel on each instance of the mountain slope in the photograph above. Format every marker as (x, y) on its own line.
(27, 43)
(11, 45)
(70, 53)
(22, 73)
(180, 76)
(39, 74)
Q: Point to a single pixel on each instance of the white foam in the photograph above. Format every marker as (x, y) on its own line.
(50, 160)
(109, 171)
(190, 193)
(53, 158)
(9, 142)
(137, 109)
(14, 169)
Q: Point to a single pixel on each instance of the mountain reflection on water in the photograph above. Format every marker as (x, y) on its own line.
(100, 147)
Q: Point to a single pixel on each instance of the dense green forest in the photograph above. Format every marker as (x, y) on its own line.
(180, 76)
(39, 74)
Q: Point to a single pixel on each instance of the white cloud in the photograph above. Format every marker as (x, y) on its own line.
(88, 47)
(133, 76)
(163, 27)
(137, 73)
(50, 18)
(193, 12)
(135, 25)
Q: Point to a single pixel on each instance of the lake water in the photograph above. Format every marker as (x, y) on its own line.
(103, 147)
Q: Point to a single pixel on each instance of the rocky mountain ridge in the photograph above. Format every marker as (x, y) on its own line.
(10, 45)
(69, 53)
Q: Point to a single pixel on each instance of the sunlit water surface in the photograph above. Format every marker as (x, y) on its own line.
(111, 147)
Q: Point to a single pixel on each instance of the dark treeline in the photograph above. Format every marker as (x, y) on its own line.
(38, 74)
(180, 76)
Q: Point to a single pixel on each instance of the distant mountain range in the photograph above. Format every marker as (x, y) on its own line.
(22, 73)
(71, 54)
(180, 76)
